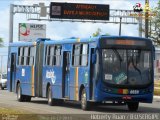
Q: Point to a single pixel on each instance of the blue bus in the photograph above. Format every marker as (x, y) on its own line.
(93, 70)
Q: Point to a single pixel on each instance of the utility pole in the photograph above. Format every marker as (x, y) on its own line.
(140, 26)
(120, 24)
(11, 23)
(146, 17)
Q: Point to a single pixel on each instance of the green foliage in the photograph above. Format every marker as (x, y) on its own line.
(98, 32)
(1, 42)
(154, 27)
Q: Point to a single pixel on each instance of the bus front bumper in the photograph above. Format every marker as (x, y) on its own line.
(104, 96)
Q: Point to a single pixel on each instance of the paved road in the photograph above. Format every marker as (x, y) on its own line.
(39, 106)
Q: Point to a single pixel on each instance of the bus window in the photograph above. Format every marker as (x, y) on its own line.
(47, 55)
(25, 55)
(76, 55)
(57, 56)
(146, 60)
(84, 56)
(21, 56)
(51, 60)
(31, 56)
(126, 67)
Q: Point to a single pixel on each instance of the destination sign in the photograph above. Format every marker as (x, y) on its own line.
(79, 11)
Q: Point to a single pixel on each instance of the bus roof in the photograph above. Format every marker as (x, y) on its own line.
(77, 40)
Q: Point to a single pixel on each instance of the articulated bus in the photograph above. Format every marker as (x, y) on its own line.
(118, 69)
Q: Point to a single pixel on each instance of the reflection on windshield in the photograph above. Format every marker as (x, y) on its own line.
(126, 66)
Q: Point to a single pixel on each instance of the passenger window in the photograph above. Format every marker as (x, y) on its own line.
(80, 55)
(20, 56)
(47, 55)
(31, 55)
(76, 55)
(53, 55)
(84, 56)
(57, 56)
(25, 56)
(51, 60)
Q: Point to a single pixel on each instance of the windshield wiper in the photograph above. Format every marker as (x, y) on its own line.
(120, 59)
(136, 68)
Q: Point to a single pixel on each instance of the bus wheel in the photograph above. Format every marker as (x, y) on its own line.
(2, 88)
(27, 98)
(133, 106)
(85, 105)
(20, 97)
(50, 99)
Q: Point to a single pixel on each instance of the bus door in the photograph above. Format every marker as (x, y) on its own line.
(66, 74)
(39, 68)
(12, 72)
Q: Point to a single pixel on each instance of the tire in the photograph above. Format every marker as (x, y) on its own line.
(20, 97)
(2, 88)
(85, 105)
(27, 98)
(133, 106)
(50, 99)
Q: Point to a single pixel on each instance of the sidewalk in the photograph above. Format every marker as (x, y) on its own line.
(156, 87)
(156, 97)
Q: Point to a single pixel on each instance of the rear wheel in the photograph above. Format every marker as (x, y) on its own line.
(27, 98)
(50, 100)
(20, 97)
(133, 106)
(2, 88)
(85, 105)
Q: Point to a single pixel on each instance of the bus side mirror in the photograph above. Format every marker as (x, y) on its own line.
(94, 58)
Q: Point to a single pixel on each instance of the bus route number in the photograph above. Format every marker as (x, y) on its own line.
(134, 91)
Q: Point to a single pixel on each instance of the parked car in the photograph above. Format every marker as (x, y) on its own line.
(3, 81)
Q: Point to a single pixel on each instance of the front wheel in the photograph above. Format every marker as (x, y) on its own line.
(85, 105)
(133, 106)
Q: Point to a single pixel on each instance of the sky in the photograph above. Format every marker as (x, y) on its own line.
(61, 30)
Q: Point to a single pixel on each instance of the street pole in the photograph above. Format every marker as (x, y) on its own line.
(140, 26)
(120, 26)
(11, 24)
(146, 17)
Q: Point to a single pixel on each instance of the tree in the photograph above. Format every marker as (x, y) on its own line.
(154, 25)
(1, 42)
(98, 32)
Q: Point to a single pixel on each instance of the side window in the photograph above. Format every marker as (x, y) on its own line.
(25, 56)
(53, 55)
(84, 56)
(31, 56)
(76, 55)
(47, 55)
(51, 60)
(20, 56)
(57, 55)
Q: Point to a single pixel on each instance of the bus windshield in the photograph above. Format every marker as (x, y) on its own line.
(126, 67)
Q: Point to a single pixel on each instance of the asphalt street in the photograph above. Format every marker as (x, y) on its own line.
(40, 106)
